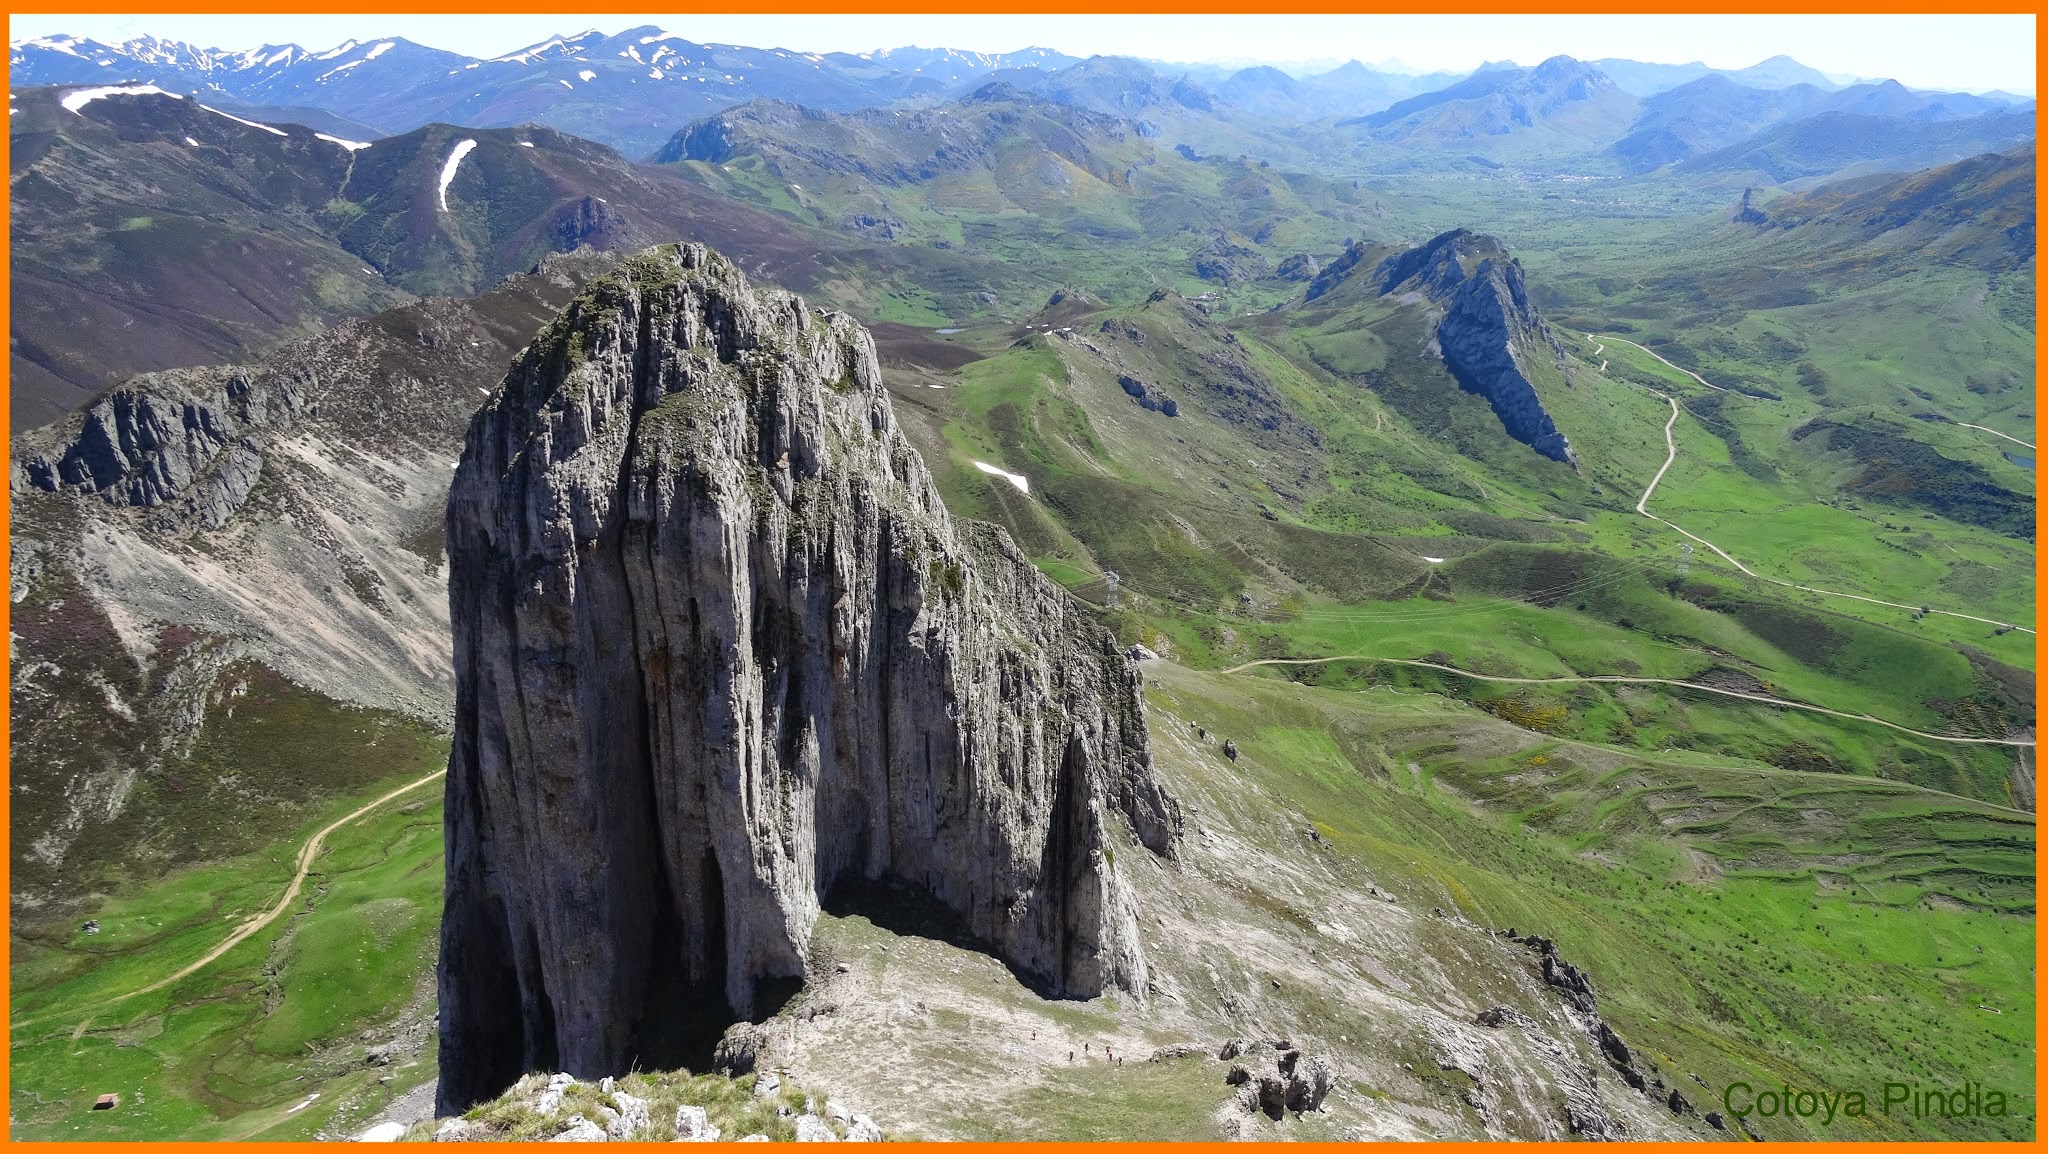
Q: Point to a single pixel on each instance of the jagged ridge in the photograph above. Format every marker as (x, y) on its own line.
(719, 649)
(1488, 329)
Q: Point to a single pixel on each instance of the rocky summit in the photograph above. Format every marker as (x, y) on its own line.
(721, 652)
(1489, 331)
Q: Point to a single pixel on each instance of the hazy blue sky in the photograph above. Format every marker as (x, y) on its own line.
(1951, 52)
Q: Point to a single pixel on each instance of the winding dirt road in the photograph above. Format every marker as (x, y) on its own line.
(1995, 433)
(1677, 368)
(1671, 456)
(243, 932)
(1757, 697)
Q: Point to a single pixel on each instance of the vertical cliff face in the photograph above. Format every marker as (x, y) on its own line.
(719, 650)
(1489, 331)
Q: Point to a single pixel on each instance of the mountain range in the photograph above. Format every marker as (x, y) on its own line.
(632, 90)
(153, 231)
(321, 225)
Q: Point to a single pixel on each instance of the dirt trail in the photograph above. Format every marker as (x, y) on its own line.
(1995, 433)
(1671, 456)
(1781, 702)
(242, 933)
(1680, 368)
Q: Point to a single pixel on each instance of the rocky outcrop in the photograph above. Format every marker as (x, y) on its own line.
(585, 221)
(1149, 397)
(1228, 260)
(185, 443)
(719, 650)
(1300, 266)
(1276, 1079)
(1489, 334)
(1576, 990)
(1337, 271)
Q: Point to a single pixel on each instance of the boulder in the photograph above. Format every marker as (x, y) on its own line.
(1274, 1079)
(1309, 1081)
(581, 1129)
(694, 1125)
(633, 1117)
(1495, 1017)
(739, 1048)
(811, 1128)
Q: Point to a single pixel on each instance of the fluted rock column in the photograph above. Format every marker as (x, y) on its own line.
(719, 649)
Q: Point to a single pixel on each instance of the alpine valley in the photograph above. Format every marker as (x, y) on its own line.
(638, 589)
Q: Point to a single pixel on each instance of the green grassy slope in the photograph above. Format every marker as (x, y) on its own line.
(1739, 922)
(269, 1040)
(1315, 463)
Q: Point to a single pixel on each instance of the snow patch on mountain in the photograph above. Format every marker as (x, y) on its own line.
(1022, 482)
(75, 101)
(461, 150)
(250, 123)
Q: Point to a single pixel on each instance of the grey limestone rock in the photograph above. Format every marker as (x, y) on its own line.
(632, 1116)
(720, 648)
(183, 443)
(1337, 271)
(811, 1128)
(581, 1129)
(693, 1124)
(739, 1049)
(1300, 266)
(1275, 1078)
(1489, 330)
